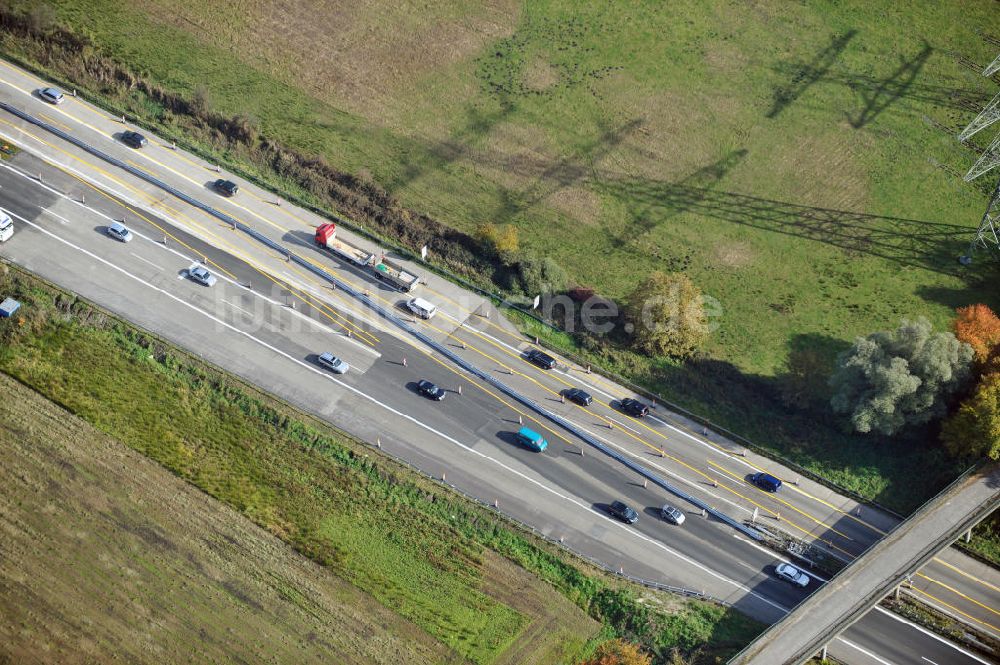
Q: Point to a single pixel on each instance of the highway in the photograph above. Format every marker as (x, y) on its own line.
(463, 435)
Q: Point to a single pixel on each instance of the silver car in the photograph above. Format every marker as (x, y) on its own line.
(119, 231)
(51, 95)
(790, 573)
(202, 276)
(333, 363)
(672, 515)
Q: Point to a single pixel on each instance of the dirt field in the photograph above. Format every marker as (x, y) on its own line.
(106, 556)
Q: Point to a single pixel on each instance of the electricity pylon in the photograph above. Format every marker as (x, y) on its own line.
(987, 235)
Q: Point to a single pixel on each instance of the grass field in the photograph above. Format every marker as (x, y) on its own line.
(797, 161)
(477, 589)
(107, 555)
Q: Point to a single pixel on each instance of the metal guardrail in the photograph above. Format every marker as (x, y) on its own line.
(392, 318)
(651, 584)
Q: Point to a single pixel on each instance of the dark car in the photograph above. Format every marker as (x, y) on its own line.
(623, 512)
(766, 481)
(543, 360)
(580, 397)
(134, 139)
(428, 389)
(226, 187)
(634, 407)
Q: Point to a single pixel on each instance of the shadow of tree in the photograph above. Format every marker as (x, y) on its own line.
(805, 75)
(811, 360)
(901, 471)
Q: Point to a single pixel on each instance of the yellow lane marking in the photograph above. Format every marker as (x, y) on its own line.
(218, 239)
(953, 608)
(790, 506)
(965, 574)
(957, 593)
(53, 121)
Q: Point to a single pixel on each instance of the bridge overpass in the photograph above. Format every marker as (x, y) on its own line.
(814, 622)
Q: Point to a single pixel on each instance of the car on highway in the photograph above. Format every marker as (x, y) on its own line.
(422, 308)
(634, 407)
(133, 139)
(766, 481)
(540, 358)
(226, 187)
(529, 438)
(6, 226)
(52, 95)
(672, 514)
(119, 232)
(202, 276)
(333, 363)
(790, 573)
(624, 512)
(428, 389)
(579, 396)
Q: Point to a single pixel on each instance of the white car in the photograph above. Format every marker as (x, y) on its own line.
(790, 573)
(202, 276)
(51, 95)
(6, 226)
(333, 363)
(119, 231)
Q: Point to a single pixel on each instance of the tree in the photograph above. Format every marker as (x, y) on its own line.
(974, 429)
(618, 652)
(503, 239)
(979, 327)
(667, 316)
(536, 276)
(889, 380)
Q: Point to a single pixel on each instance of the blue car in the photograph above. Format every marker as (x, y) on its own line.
(531, 439)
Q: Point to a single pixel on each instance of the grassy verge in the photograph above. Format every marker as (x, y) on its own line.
(412, 545)
(985, 541)
(694, 138)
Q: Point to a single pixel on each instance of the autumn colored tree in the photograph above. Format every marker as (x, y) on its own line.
(502, 239)
(974, 429)
(979, 327)
(618, 652)
(667, 315)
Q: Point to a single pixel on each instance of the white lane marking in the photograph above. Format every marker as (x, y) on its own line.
(930, 634)
(59, 218)
(160, 245)
(928, 660)
(250, 314)
(418, 423)
(360, 314)
(865, 651)
(624, 426)
(146, 261)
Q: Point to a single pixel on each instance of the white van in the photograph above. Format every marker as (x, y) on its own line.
(421, 307)
(6, 226)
